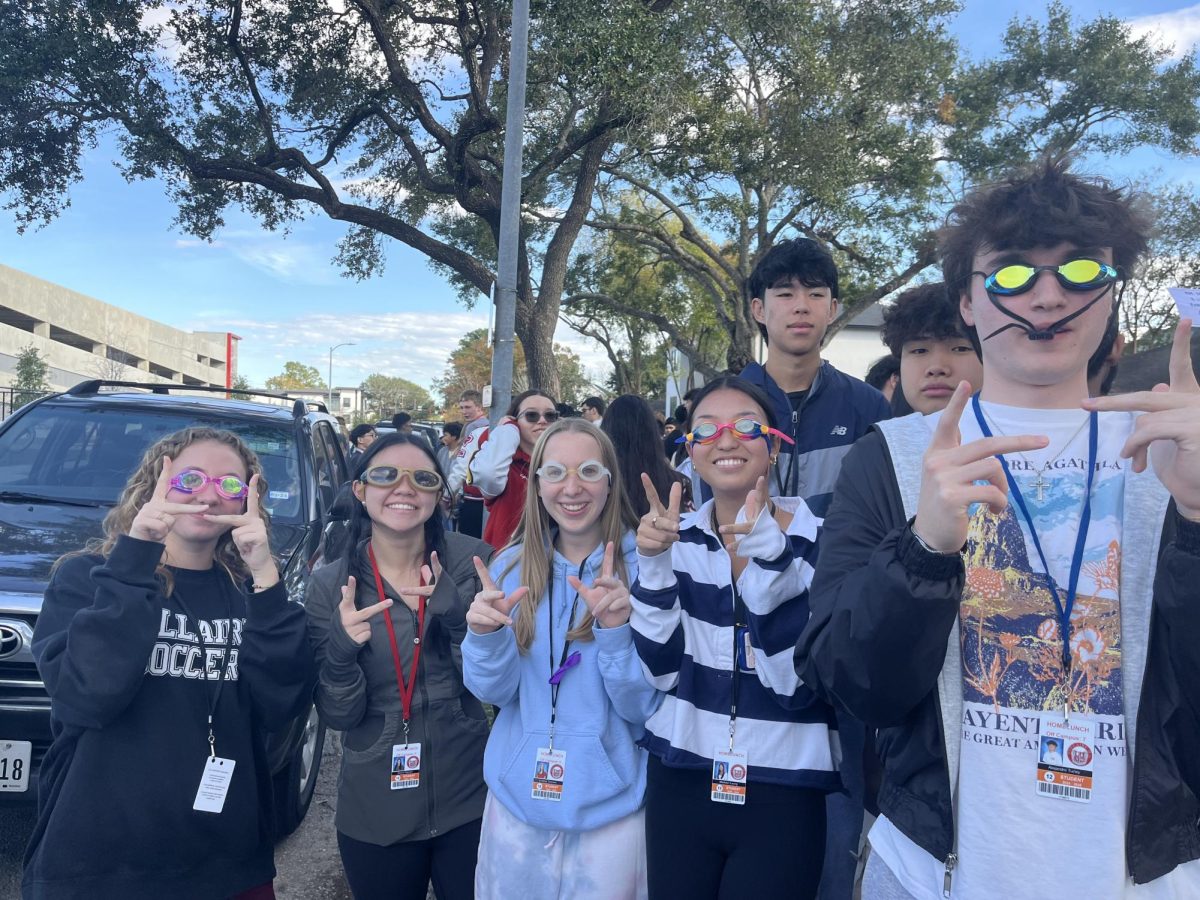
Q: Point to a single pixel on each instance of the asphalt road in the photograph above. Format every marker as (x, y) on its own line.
(308, 863)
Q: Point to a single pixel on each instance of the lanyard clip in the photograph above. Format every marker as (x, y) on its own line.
(405, 734)
(731, 727)
(212, 740)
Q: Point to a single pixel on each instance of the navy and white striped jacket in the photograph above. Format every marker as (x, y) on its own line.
(683, 621)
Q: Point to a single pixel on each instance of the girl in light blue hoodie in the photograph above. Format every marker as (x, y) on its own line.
(549, 642)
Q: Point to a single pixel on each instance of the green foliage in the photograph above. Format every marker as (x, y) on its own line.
(32, 374)
(386, 116)
(241, 383)
(296, 376)
(1148, 314)
(387, 396)
(1064, 87)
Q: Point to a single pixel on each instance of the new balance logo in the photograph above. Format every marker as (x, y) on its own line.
(839, 430)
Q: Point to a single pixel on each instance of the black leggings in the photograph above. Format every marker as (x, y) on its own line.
(695, 848)
(402, 871)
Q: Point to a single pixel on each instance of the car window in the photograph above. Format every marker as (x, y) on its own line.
(88, 453)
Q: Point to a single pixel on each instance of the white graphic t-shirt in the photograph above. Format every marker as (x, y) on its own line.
(1041, 812)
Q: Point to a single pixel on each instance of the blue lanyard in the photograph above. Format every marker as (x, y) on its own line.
(1085, 517)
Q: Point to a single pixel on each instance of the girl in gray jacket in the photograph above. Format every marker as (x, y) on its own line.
(386, 624)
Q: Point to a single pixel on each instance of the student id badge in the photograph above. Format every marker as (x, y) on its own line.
(548, 773)
(1066, 758)
(729, 776)
(214, 785)
(406, 766)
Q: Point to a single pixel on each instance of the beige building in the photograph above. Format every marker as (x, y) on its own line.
(82, 338)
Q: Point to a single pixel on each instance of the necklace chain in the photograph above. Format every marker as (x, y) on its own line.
(1039, 483)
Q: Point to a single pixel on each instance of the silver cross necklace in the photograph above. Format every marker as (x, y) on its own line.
(1039, 484)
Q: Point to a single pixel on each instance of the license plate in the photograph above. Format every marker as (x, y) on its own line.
(14, 766)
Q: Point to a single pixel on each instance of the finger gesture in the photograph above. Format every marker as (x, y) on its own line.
(955, 476)
(659, 528)
(607, 597)
(157, 516)
(430, 575)
(491, 607)
(250, 535)
(756, 501)
(357, 622)
(1168, 432)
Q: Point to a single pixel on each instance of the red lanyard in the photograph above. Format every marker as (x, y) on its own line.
(406, 691)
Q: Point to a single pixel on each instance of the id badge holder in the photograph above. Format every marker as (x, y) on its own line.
(549, 772)
(406, 766)
(1066, 758)
(745, 653)
(729, 770)
(214, 785)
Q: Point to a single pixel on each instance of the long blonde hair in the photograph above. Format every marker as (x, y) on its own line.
(140, 488)
(533, 535)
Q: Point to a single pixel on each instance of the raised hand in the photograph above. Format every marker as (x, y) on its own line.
(659, 528)
(357, 622)
(250, 538)
(756, 501)
(607, 597)
(156, 518)
(491, 606)
(950, 473)
(430, 574)
(1168, 433)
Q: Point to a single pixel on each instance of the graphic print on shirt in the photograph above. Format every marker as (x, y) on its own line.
(1013, 684)
(1010, 638)
(195, 650)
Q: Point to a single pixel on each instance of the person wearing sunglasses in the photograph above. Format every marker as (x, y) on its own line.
(550, 644)
(1022, 564)
(742, 753)
(168, 648)
(386, 622)
(500, 467)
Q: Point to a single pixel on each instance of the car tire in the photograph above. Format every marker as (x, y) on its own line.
(295, 784)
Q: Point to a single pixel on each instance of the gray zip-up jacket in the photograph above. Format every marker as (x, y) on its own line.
(357, 694)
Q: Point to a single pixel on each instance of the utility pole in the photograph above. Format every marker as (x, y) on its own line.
(510, 215)
(329, 398)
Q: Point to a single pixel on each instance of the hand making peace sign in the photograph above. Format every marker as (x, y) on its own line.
(1169, 429)
(357, 622)
(489, 611)
(951, 470)
(250, 537)
(659, 528)
(156, 518)
(756, 501)
(607, 597)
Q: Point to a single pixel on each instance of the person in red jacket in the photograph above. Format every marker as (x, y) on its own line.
(500, 468)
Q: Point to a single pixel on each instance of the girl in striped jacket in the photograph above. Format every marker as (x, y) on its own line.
(742, 753)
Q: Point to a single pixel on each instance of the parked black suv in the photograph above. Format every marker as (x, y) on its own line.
(64, 460)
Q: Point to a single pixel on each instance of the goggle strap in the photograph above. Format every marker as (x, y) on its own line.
(1045, 334)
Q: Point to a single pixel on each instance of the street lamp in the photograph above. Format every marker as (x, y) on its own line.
(330, 386)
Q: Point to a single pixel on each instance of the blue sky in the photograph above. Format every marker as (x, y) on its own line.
(284, 295)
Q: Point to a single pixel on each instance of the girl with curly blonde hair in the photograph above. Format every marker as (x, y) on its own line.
(169, 649)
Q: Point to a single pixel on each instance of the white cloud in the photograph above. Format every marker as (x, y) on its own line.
(412, 345)
(1179, 29)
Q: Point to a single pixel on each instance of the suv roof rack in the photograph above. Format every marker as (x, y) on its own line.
(300, 407)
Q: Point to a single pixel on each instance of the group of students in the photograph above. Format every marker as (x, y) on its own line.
(701, 700)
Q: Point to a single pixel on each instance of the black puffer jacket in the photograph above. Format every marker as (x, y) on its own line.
(357, 693)
(882, 609)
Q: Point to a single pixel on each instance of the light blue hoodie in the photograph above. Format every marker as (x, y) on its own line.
(603, 705)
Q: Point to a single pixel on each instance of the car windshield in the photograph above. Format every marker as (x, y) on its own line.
(76, 455)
